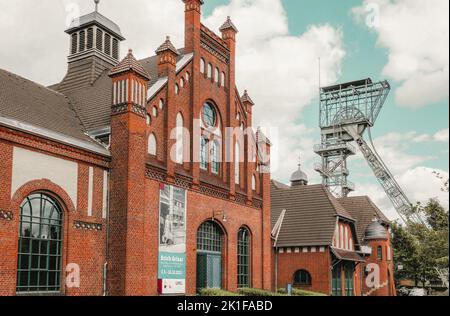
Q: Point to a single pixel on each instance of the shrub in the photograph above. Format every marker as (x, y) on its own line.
(257, 292)
(215, 292)
(298, 292)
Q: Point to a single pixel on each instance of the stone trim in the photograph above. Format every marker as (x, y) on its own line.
(87, 226)
(6, 215)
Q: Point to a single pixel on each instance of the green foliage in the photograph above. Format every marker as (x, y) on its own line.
(216, 292)
(298, 292)
(257, 292)
(420, 248)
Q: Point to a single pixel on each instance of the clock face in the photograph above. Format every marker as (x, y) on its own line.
(209, 115)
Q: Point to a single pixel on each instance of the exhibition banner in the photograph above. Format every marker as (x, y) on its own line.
(172, 240)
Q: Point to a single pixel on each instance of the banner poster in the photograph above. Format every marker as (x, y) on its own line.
(172, 241)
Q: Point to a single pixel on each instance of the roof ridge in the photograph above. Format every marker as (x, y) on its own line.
(331, 198)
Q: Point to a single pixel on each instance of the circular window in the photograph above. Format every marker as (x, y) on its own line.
(209, 115)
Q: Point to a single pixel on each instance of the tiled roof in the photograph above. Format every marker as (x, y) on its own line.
(167, 45)
(310, 218)
(129, 63)
(227, 25)
(347, 255)
(246, 98)
(364, 211)
(29, 102)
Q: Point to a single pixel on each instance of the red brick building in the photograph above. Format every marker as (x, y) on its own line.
(123, 174)
(338, 247)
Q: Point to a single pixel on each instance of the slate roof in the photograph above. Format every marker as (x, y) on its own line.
(364, 211)
(26, 101)
(127, 64)
(246, 98)
(310, 218)
(95, 18)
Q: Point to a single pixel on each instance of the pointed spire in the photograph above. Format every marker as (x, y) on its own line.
(167, 45)
(228, 25)
(246, 98)
(129, 63)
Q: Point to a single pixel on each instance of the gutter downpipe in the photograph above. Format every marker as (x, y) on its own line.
(105, 265)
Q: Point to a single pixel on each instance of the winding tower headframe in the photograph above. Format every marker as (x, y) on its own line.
(347, 110)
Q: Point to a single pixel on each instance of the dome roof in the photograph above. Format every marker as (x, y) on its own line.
(299, 177)
(375, 231)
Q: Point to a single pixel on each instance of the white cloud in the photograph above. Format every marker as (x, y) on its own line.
(419, 184)
(416, 34)
(442, 136)
(281, 72)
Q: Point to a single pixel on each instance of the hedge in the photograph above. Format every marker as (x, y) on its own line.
(298, 292)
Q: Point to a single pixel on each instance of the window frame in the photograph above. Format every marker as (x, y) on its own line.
(244, 259)
(302, 278)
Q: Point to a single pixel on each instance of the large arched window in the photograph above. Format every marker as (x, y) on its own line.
(243, 254)
(152, 146)
(302, 278)
(180, 143)
(40, 245)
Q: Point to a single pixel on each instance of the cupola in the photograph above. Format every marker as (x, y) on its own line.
(299, 177)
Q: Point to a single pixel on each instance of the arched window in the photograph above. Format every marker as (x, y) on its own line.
(74, 43)
(302, 278)
(182, 82)
(177, 89)
(180, 144)
(155, 111)
(161, 104)
(202, 66)
(243, 254)
(152, 146)
(209, 70)
(148, 120)
(215, 157)
(40, 245)
(346, 238)
(223, 80)
(216, 75)
(380, 253)
(209, 255)
(237, 165)
(341, 237)
(204, 153)
(254, 183)
(82, 41)
(187, 76)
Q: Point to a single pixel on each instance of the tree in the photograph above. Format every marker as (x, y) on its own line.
(421, 248)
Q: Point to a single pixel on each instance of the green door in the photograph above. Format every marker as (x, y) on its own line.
(349, 269)
(337, 280)
(209, 256)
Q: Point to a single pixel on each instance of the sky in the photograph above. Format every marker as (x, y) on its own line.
(278, 47)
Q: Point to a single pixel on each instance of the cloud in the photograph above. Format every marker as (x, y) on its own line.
(419, 184)
(417, 38)
(281, 73)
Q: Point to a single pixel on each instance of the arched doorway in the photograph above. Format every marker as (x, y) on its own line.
(40, 245)
(209, 256)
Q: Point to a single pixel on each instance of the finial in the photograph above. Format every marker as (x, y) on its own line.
(96, 5)
(299, 161)
(167, 38)
(130, 51)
